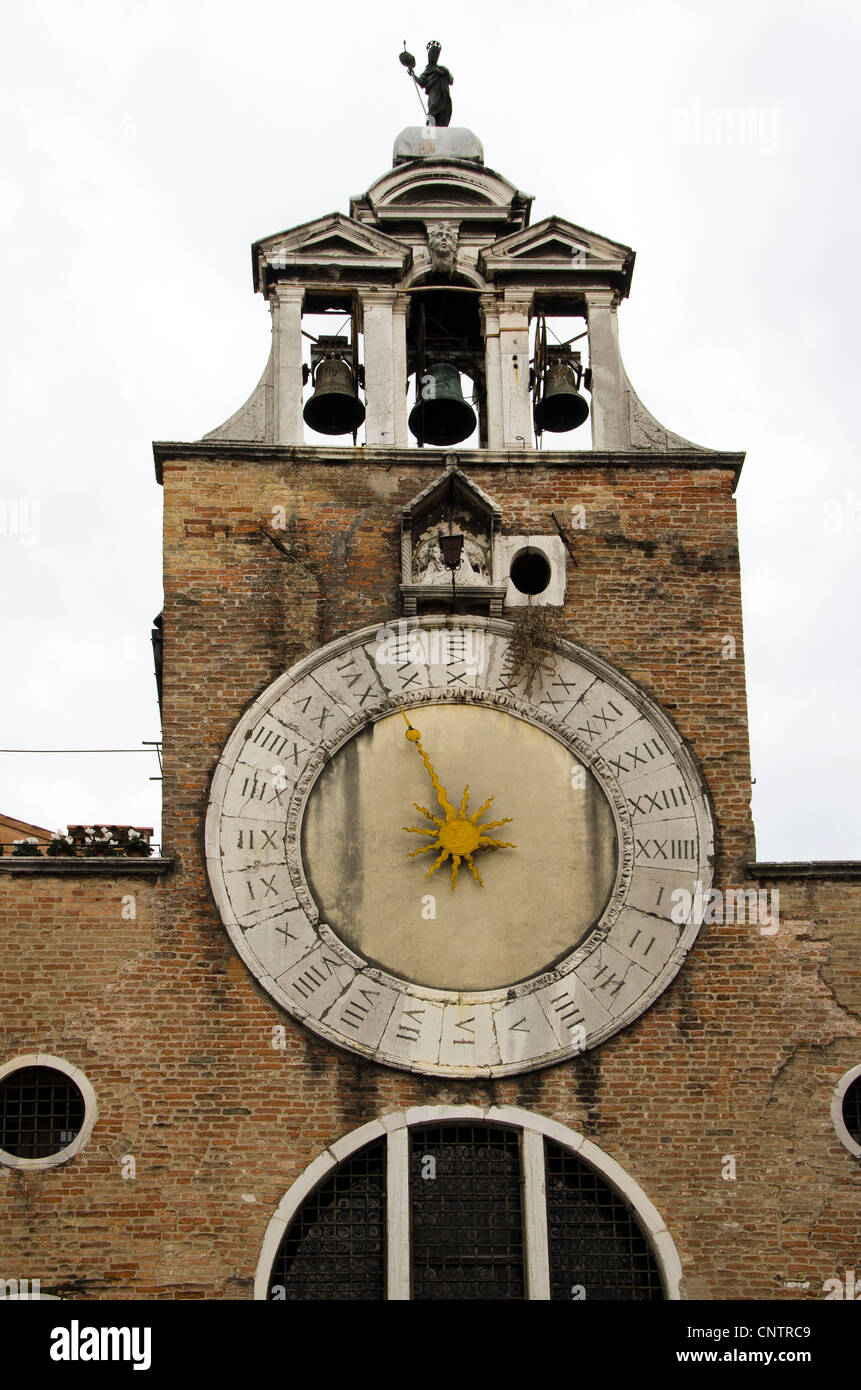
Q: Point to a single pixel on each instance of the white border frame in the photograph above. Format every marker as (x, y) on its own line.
(837, 1110)
(394, 1128)
(91, 1110)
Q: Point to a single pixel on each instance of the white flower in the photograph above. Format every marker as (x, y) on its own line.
(88, 830)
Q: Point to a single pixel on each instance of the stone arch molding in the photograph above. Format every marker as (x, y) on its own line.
(608, 977)
(91, 1111)
(394, 1129)
(846, 1139)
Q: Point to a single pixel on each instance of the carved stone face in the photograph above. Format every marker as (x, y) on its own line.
(442, 244)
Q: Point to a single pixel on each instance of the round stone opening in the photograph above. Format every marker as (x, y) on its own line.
(530, 572)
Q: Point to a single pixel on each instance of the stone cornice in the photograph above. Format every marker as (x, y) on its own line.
(70, 866)
(807, 869)
(527, 459)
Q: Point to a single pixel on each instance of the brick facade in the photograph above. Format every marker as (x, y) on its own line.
(738, 1057)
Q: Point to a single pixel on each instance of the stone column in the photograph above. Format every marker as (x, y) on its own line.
(514, 355)
(287, 353)
(378, 319)
(399, 369)
(489, 306)
(609, 401)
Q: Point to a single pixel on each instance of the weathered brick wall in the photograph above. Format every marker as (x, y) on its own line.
(738, 1057)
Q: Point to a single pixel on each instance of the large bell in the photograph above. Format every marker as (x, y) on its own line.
(334, 407)
(440, 414)
(561, 407)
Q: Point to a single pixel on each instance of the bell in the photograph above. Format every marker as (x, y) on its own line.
(561, 407)
(334, 407)
(440, 414)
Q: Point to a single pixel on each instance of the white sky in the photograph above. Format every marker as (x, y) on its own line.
(146, 145)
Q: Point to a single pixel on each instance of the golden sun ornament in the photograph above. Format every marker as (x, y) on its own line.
(458, 836)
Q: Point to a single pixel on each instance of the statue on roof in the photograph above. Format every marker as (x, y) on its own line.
(436, 80)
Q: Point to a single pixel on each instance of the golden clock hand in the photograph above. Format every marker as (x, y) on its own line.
(457, 837)
(442, 797)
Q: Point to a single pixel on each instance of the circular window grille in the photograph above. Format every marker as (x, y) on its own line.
(42, 1113)
(453, 1205)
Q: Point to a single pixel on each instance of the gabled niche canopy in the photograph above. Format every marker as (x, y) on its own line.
(320, 247)
(451, 504)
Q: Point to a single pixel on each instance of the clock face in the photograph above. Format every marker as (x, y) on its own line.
(450, 867)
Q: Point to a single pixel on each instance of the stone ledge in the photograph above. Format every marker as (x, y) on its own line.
(164, 451)
(810, 869)
(71, 866)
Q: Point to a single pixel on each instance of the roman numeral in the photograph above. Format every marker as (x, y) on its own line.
(651, 748)
(245, 838)
(356, 1012)
(354, 678)
(667, 849)
(602, 719)
(312, 978)
(567, 1010)
(268, 885)
(287, 934)
(252, 789)
(645, 949)
(409, 1031)
(612, 982)
(465, 1025)
(407, 682)
(661, 801)
(518, 1026)
(268, 738)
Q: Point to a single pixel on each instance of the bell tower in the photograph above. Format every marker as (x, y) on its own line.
(454, 684)
(458, 978)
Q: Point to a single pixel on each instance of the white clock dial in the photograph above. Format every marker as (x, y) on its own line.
(571, 934)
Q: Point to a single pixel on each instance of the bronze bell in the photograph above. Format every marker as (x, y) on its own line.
(440, 414)
(334, 407)
(561, 406)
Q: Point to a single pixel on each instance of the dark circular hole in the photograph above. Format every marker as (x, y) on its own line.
(530, 572)
(852, 1109)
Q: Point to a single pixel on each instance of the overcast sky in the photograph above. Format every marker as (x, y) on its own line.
(146, 145)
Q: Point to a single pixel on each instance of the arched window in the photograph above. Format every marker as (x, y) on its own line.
(459, 1203)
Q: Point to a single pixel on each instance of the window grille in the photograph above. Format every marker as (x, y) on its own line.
(465, 1214)
(41, 1112)
(467, 1220)
(335, 1248)
(597, 1249)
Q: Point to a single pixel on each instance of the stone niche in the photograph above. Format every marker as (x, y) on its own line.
(452, 504)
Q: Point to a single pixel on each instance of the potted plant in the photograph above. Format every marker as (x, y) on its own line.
(26, 848)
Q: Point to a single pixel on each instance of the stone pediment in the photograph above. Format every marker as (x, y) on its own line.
(556, 247)
(326, 243)
(438, 188)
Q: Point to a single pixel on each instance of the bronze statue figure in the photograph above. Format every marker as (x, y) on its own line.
(436, 81)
